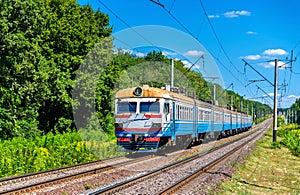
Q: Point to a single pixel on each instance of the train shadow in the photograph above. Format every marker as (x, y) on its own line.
(138, 154)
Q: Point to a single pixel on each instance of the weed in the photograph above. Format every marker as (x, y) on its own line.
(275, 145)
(88, 186)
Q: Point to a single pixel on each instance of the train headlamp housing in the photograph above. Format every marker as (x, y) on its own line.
(138, 91)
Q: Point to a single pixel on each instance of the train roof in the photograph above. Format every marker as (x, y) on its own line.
(152, 92)
(146, 92)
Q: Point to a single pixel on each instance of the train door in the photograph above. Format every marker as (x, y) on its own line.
(195, 121)
(241, 122)
(236, 122)
(230, 121)
(167, 112)
(212, 118)
(172, 118)
(223, 121)
(242, 127)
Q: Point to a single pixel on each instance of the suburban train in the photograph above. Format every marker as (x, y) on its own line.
(147, 118)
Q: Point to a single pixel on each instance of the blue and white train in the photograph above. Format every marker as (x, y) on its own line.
(147, 118)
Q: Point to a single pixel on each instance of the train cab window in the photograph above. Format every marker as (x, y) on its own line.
(126, 107)
(166, 107)
(149, 107)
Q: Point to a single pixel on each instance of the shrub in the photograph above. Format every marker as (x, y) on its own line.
(21, 156)
(290, 137)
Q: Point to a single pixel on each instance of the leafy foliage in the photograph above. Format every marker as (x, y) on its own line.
(290, 135)
(42, 44)
(295, 107)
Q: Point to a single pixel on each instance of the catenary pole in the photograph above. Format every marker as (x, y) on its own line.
(275, 101)
(172, 74)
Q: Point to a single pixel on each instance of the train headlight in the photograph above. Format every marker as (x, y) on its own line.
(138, 91)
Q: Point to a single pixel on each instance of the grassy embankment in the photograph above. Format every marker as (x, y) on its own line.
(272, 168)
(22, 156)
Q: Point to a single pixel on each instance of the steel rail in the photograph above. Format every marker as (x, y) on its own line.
(121, 185)
(61, 179)
(15, 179)
(202, 170)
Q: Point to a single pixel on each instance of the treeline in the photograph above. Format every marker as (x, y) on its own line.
(192, 82)
(258, 110)
(42, 46)
(296, 108)
(293, 113)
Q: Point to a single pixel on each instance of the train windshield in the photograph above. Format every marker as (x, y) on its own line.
(127, 107)
(149, 107)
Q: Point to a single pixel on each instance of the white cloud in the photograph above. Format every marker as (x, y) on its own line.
(194, 53)
(273, 52)
(127, 51)
(198, 67)
(293, 96)
(186, 63)
(280, 64)
(272, 95)
(213, 16)
(235, 14)
(266, 65)
(243, 13)
(131, 52)
(252, 57)
(122, 51)
(271, 64)
(230, 14)
(168, 53)
(251, 33)
(286, 102)
(189, 65)
(268, 54)
(140, 54)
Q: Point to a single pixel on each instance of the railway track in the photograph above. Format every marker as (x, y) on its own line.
(166, 171)
(34, 181)
(202, 170)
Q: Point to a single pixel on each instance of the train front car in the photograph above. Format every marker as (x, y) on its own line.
(139, 116)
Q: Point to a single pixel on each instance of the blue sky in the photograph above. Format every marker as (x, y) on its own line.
(257, 31)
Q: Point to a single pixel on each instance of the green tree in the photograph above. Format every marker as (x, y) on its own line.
(42, 44)
(296, 108)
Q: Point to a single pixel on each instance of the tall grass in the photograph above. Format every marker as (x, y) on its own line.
(21, 156)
